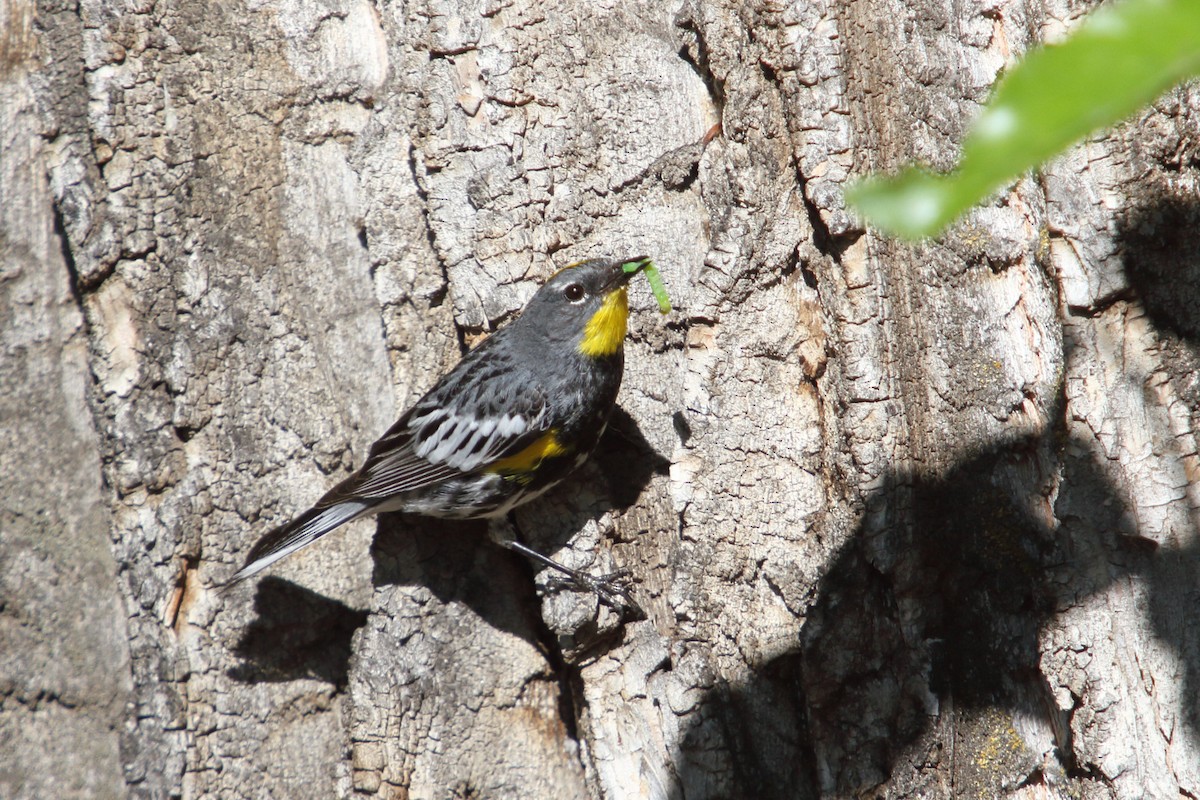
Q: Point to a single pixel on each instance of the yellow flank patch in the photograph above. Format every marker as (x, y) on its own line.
(531, 457)
(605, 331)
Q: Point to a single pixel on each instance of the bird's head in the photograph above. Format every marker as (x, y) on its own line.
(586, 302)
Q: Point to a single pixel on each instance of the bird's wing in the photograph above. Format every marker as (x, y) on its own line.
(468, 421)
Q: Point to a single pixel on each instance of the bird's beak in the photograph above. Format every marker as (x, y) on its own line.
(624, 270)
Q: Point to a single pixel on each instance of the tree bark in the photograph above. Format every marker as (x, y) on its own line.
(906, 521)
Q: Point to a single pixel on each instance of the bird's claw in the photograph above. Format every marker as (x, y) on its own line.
(612, 589)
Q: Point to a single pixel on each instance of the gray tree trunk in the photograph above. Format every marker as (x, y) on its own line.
(907, 521)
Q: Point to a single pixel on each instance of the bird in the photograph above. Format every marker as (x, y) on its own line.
(511, 420)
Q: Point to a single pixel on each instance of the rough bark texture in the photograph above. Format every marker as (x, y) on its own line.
(908, 521)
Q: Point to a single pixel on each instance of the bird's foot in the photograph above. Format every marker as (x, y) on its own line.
(613, 590)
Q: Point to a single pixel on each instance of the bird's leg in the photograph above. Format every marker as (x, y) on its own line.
(611, 589)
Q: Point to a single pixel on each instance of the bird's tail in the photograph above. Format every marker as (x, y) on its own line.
(303, 530)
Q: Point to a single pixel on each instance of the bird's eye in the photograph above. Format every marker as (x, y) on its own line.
(574, 292)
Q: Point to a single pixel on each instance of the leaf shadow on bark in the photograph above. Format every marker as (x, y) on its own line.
(920, 632)
(909, 615)
(924, 638)
(1174, 577)
(1159, 237)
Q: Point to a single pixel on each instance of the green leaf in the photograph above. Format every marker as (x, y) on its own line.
(1119, 59)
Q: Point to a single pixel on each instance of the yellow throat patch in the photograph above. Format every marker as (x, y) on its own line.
(605, 331)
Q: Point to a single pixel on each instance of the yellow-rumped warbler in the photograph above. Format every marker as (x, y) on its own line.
(512, 419)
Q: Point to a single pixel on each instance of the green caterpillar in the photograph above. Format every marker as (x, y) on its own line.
(647, 268)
